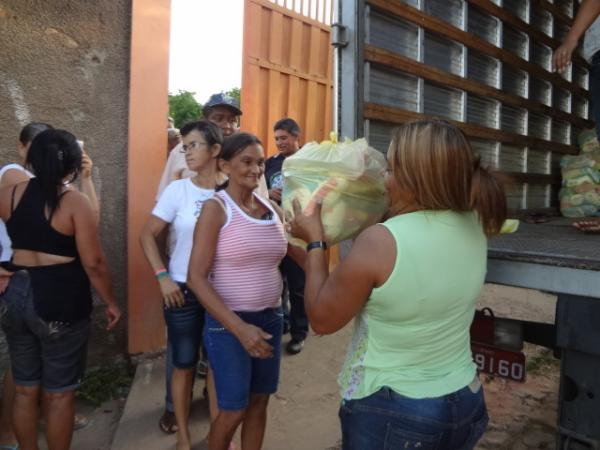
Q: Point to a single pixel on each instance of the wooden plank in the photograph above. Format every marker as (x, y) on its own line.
(440, 27)
(314, 53)
(408, 65)
(507, 17)
(283, 10)
(556, 12)
(287, 70)
(532, 178)
(274, 35)
(373, 111)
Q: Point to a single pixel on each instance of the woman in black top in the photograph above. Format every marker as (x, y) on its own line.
(47, 305)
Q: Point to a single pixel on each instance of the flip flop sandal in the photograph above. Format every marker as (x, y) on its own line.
(80, 422)
(168, 423)
(588, 227)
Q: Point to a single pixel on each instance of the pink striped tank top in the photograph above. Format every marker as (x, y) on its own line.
(245, 270)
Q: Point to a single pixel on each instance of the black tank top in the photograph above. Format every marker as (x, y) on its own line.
(61, 292)
(29, 229)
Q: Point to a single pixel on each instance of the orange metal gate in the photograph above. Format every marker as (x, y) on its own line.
(287, 67)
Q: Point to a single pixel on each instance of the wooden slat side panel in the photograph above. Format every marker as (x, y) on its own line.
(399, 116)
(507, 17)
(287, 69)
(439, 26)
(408, 65)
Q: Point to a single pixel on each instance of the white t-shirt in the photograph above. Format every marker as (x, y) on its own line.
(175, 169)
(180, 205)
(5, 243)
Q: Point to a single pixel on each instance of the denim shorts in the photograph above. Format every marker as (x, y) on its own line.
(236, 373)
(184, 328)
(386, 420)
(50, 354)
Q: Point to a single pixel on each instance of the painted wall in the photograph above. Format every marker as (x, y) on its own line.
(67, 63)
(148, 113)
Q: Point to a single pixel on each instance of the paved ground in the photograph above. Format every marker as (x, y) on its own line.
(303, 415)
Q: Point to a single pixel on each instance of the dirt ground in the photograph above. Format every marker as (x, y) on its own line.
(303, 414)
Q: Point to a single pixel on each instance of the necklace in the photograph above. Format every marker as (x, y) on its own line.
(249, 210)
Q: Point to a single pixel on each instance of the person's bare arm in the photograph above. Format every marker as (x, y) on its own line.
(331, 301)
(298, 254)
(12, 177)
(87, 184)
(588, 12)
(206, 235)
(91, 254)
(172, 295)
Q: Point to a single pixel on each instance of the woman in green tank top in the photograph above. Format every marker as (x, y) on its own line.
(409, 380)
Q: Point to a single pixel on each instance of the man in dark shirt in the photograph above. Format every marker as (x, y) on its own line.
(287, 138)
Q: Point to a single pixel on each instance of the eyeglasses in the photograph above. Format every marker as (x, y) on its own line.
(191, 146)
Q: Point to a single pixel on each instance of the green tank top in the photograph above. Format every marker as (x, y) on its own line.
(413, 333)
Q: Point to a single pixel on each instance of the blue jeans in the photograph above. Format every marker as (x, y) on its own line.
(595, 90)
(50, 354)
(236, 373)
(184, 337)
(386, 420)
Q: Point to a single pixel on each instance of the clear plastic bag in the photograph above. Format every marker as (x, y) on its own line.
(347, 177)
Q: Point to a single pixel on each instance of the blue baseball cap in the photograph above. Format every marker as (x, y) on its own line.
(222, 99)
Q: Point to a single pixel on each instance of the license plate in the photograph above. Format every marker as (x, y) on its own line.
(498, 361)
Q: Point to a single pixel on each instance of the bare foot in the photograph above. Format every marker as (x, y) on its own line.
(588, 226)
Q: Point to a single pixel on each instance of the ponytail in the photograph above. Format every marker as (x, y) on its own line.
(53, 156)
(488, 199)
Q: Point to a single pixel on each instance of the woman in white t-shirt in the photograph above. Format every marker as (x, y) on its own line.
(179, 205)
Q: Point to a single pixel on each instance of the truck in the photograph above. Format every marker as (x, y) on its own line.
(486, 67)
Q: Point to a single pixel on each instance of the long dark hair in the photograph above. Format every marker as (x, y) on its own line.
(234, 145)
(53, 155)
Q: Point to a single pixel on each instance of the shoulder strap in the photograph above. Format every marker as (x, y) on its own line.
(227, 209)
(219, 200)
(60, 196)
(12, 199)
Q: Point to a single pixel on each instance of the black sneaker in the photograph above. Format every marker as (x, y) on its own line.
(295, 346)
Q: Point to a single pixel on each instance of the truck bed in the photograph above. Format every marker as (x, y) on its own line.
(554, 243)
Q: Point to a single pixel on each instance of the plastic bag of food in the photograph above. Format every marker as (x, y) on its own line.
(575, 177)
(578, 211)
(576, 173)
(569, 162)
(587, 140)
(346, 177)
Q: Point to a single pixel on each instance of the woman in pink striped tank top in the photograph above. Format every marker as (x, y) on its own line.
(239, 243)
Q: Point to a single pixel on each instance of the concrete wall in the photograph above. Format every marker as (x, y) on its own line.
(67, 63)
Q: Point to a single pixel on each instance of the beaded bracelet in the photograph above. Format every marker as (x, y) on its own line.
(161, 273)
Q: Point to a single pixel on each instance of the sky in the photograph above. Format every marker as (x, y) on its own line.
(206, 46)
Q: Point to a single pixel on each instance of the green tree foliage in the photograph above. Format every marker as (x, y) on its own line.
(184, 108)
(235, 93)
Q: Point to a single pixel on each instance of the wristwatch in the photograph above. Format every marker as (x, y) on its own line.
(316, 244)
